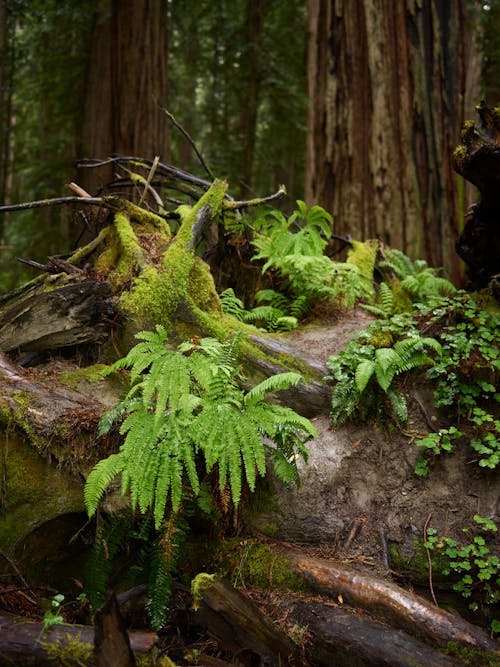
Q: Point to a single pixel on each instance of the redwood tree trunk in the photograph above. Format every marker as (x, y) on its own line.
(126, 83)
(389, 84)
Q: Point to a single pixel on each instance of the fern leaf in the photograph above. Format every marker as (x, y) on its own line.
(278, 382)
(386, 298)
(99, 479)
(399, 405)
(364, 371)
(387, 361)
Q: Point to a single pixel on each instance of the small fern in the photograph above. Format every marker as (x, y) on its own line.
(294, 248)
(415, 279)
(362, 370)
(186, 405)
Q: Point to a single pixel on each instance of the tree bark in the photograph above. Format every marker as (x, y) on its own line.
(388, 87)
(126, 84)
(478, 160)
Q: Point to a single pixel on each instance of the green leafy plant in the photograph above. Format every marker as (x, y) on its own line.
(406, 283)
(365, 374)
(294, 248)
(184, 406)
(53, 616)
(466, 377)
(437, 444)
(475, 569)
(273, 316)
(184, 416)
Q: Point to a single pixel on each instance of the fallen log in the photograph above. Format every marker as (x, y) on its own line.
(239, 625)
(80, 311)
(383, 598)
(338, 637)
(25, 643)
(41, 408)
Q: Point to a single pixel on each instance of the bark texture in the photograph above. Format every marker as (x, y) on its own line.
(126, 83)
(389, 84)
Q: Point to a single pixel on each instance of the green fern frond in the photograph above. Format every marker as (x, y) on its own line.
(278, 382)
(99, 479)
(386, 298)
(399, 405)
(231, 305)
(364, 372)
(387, 361)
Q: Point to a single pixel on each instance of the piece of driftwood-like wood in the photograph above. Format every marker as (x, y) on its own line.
(77, 312)
(384, 599)
(336, 636)
(111, 641)
(239, 625)
(25, 643)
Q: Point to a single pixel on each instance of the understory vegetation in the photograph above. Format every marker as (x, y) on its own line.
(194, 440)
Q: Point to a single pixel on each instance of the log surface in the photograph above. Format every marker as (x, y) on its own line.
(24, 643)
(382, 598)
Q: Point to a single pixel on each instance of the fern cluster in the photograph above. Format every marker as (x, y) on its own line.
(185, 408)
(366, 373)
(294, 248)
(275, 312)
(405, 283)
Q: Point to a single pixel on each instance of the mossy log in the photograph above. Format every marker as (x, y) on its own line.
(26, 643)
(134, 275)
(43, 409)
(386, 600)
(477, 159)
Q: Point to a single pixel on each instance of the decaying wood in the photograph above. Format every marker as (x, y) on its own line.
(239, 625)
(24, 643)
(80, 311)
(383, 598)
(111, 641)
(44, 405)
(339, 637)
(478, 161)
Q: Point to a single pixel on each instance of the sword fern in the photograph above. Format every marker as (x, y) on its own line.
(185, 408)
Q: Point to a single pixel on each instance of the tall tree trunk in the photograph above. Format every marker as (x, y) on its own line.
(126, 82)
(389, 84)
(251, 65)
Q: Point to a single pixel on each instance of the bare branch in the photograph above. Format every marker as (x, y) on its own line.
(191, 142)
(88, 201)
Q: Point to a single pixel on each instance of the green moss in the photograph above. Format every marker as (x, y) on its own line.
(475, 657)
(35, 492)
(381, 339)
(18, 417)
(156, 294)
(363, 254)
(69, 651)
(91, 374)
(131, 254)
(199, 584)
(263, 568)
(459, 155)
(402, 302)
(138, 214)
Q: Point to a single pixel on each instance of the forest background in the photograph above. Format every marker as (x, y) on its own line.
(353, 105)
